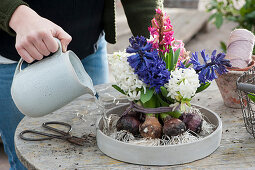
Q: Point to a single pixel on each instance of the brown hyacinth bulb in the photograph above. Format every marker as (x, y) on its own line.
(129, 123)
(193, 121)
(173, 127)
(151, 128)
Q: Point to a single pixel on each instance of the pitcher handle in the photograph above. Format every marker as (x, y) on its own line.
(59, 51)
(18, 68)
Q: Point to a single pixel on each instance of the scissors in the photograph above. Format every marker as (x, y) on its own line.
(63, 135)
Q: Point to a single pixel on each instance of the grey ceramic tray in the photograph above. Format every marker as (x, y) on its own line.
(160, 155)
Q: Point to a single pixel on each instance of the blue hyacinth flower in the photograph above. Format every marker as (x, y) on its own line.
(138, 44)
(207, 70)
(149, 67)
(181, 65)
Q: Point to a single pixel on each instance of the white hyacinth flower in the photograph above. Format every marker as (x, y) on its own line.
(183, 84)
(124, 75)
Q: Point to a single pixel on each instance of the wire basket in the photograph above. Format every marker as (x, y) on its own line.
(246, 91)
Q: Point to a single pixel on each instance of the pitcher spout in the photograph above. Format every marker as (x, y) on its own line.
(92, 91)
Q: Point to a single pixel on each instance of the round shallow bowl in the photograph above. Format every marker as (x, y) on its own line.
(160, 155)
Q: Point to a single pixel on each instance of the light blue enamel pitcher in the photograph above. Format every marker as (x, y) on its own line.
(50, 84)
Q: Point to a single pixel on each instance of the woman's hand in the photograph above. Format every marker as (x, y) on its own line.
(35, 34)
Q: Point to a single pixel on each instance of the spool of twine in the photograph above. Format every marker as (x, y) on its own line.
(240, 47)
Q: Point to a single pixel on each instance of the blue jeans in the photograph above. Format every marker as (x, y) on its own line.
(95, 65)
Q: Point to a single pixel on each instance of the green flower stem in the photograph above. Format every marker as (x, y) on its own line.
(152, 103)
(175, 114)
(163, 116)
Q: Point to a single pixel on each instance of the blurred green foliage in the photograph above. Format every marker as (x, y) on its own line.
(244, 16)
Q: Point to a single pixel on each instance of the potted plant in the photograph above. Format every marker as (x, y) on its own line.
(244, 16)
(160, 79)
(239, 52)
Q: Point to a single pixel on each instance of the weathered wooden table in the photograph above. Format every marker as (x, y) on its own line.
(237, 149)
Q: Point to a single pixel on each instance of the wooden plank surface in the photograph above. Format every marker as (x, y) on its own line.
(186, 22)
(237, 148)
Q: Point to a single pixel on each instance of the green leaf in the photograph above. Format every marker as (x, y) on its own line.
(175, 114)
(187, 65)
(176, 56)
(218, 20)
(164, 56)
(118, 88)
(203, 87)
(243, 10)
(170, 59)
(147, 96)
(252, 97)
(161, 101)
(212, 16)
(223, 46)
(152, 103)
(164, 91)
(251, 15)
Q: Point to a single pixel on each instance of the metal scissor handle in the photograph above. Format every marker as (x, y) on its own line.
(45, 125)
(21, 135)
(66, 135)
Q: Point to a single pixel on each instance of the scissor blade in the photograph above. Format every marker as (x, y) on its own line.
(76, 140)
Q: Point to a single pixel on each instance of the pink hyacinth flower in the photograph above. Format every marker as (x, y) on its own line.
(183, 54)
(166, 34)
